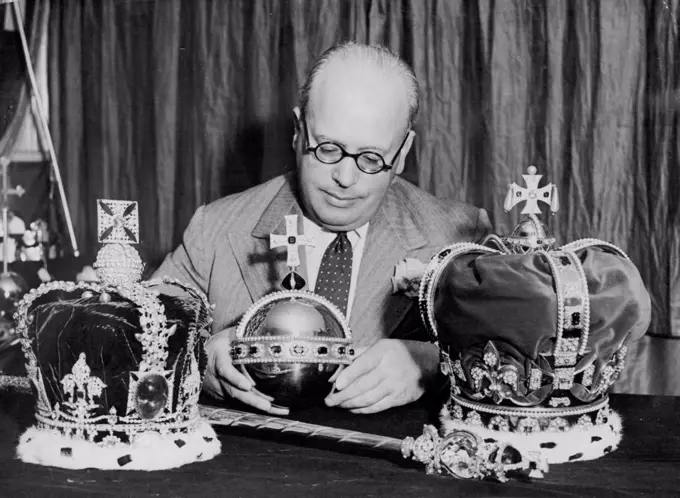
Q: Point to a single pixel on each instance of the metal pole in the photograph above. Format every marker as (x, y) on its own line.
(42, 119)
(5, 222)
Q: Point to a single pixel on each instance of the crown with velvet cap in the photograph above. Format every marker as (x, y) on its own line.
(533, 336)
(116, 365)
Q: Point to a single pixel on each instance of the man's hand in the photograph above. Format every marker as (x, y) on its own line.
(390, 373)
(222, 378)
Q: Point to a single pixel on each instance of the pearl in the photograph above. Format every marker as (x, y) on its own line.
(105, 297)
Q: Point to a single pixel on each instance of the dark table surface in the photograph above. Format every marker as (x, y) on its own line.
(646, 464)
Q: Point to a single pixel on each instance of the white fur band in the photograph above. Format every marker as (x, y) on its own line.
(150, 451)
(573, 445)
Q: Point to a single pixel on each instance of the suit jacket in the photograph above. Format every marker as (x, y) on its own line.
(225, 252)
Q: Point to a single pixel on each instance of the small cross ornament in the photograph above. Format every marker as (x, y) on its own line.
(292, 241)
(532, 194)
(118, 221)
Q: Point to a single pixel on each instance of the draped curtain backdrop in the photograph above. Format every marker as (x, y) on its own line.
(14, 89)
(175, 103)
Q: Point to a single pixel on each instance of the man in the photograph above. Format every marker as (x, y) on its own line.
(353, 131)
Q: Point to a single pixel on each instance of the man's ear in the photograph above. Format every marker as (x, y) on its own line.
(404, 152)
(297, 123)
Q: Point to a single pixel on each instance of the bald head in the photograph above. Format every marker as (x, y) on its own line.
(353, 72)
(359, 101)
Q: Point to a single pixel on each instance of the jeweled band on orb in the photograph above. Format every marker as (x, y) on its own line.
(281, 349)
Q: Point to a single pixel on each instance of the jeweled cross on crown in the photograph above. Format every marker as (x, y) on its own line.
(532, 194)
(118, 221)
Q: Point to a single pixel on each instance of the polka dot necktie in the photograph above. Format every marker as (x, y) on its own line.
(335, 272)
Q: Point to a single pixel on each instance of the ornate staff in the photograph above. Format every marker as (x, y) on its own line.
(460, 454)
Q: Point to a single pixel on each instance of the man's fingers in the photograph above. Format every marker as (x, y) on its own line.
(212, 386)
(254, 400)
(262, 395)
(360, 366)
(228, 372)
(358, 351)
(360, 386)
(367, 398)
(381, 405)
(337, 372)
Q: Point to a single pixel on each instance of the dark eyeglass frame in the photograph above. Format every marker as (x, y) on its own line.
(344, 153)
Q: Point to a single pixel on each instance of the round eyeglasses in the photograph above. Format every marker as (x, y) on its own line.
(367, 161)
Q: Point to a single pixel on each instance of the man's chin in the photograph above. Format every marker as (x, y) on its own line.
(335, 223)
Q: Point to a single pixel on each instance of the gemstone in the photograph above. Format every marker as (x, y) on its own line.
(152, 396)
(118, 221)
(511, 455)
(459, 455)
(299, 349)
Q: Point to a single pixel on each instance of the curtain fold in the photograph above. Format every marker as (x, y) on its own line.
(175, 103)
(15, 91)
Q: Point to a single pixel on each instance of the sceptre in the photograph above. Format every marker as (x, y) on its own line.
(459, 454)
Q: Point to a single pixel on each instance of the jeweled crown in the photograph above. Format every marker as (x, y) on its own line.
(116, 365)
(533, 336)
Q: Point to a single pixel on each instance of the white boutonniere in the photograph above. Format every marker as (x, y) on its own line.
(407, 275)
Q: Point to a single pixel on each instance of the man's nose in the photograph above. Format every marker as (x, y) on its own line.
(346, 172)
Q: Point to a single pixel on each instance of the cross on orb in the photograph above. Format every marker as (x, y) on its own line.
(291, 240)
(532, 194)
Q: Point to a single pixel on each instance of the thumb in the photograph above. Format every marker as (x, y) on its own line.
(362, 364)
(358, 351)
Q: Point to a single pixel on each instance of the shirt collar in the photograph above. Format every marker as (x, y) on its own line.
(312, 229)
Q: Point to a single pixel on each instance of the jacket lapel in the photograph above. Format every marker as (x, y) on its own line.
(392, 235)
(263, 268)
